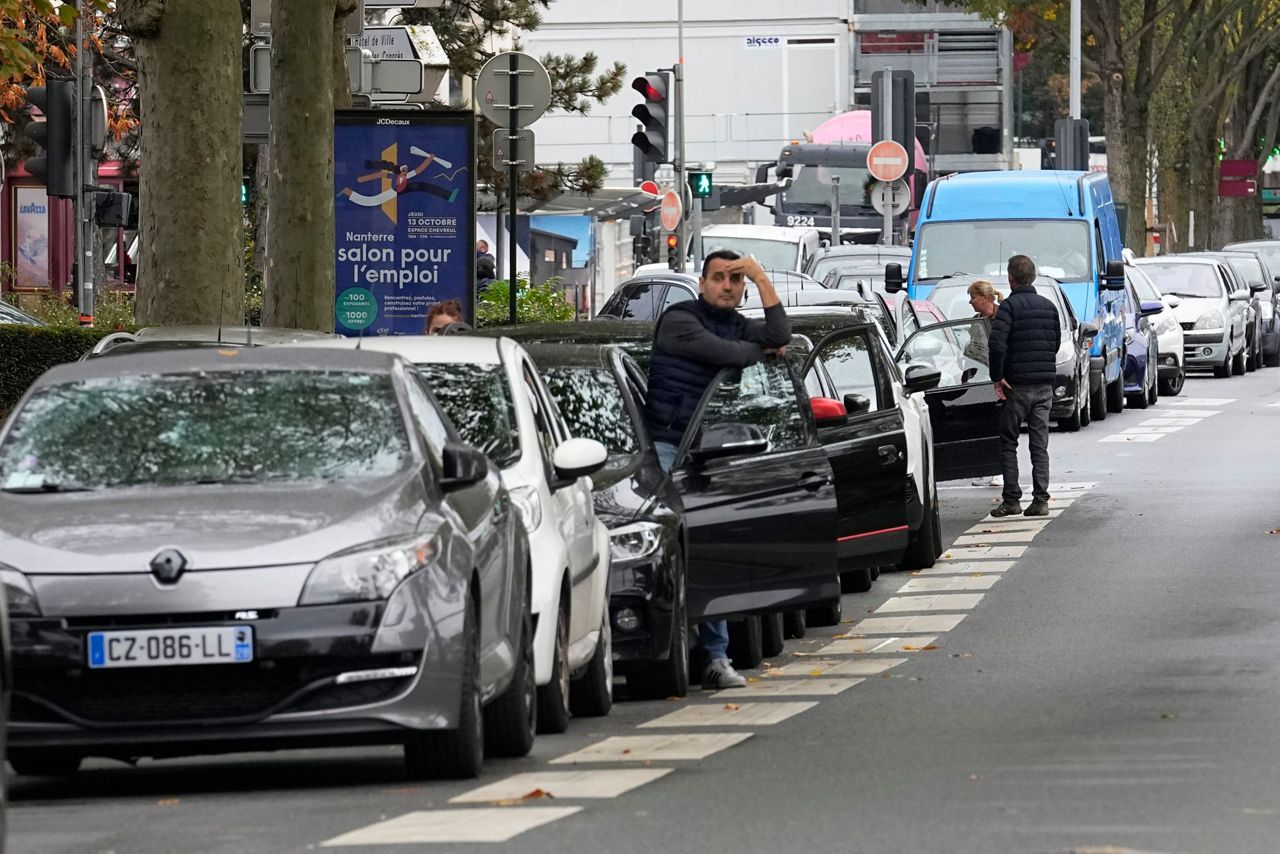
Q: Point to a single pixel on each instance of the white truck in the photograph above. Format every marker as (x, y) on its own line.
(775, 247)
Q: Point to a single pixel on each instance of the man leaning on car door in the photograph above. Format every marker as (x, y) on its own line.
(692, 341)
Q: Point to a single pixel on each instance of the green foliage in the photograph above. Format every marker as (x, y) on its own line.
(113, 310)
(56, 310)
(538, 304)
(26, 352)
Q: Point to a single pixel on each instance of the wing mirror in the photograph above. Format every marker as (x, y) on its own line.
(1172, 301)
(1087, 331)
(1240, 296)
(575, 458)
(1257, 287)
(1149, 307)
(893, 278)
(1113, 279)
(826, 409)
(462, 465)
(731, 439)
(921, 378)
(856, 404)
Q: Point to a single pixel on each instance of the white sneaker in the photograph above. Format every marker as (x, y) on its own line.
(720, 674)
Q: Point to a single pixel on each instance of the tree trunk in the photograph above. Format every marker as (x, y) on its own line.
(300, 255)
(191, 260)
(341, 82)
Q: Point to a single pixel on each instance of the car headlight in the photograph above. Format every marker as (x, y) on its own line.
(369, 572)
(1210, 320)
(529, 504)
(635, 541)
(19, 593)
(1166, 324)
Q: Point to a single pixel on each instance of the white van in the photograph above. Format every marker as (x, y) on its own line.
(775, 247)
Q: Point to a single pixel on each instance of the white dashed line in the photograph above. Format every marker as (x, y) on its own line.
(860, 667)
(1189, 413)
(1170, 422)
(934, 602)
(949, 584)
(498, 824)
(654, 748)
(1005, 524)
(789, 688)
(905, 625)
(1138, 437)
(977, 552)
(861, 646)
(1201, 401)
(967, 567)
(1162, 429)
(598, 783)
(731, 714)
(984, 538)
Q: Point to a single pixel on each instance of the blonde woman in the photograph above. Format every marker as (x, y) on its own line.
(985, 301)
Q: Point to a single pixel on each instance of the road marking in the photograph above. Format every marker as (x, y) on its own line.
(789, 688)
(1010, 524)
(967, 567)
(985, 538)
(948, 584)
(1170, 422)
(654, 748)
(1201, 401)
(861, 646)
(904, 625)
(861, 667)
(1162, 429)
(1270, 405)
(731, 714)
(1189, 413)
(934, 602)
(498, 824)
(1141, 437)
(1054, 513)
(599, 783)
(994, 552)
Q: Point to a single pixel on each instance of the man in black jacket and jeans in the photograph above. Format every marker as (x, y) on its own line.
(1023, 349)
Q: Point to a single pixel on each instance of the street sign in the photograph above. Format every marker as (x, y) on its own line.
(366, 74)
(700, 184)
(1238, 188)
(508, 152)
(887, 160)
(672, 210)
(891, 197)
(493, 86)
(650, 187)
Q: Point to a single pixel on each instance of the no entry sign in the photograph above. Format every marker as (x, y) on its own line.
(887, 160)
(671, 210)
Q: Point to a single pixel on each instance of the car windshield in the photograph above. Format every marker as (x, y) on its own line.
(772, 254)
(1142, 284)
(865, 282)
(478, 401)
(1185, 280)
(207, 427)
(811, 186)
(953, 300)
(1270, 253)
(592, 404)
(845, 264)
(1059, 249)
(1247, 268)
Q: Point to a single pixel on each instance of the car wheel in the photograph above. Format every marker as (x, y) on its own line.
(795, 625)
(1237, 364)
(591, 694)
(1098, 403)
(669, 678)
(856, 580)
(1071, 423)
(1153, 393)
(1084, 403)
(511, 720)
(1224, 370)
(875, 572)
(745, 649)
(920, 553)
(827, 615)
(44, 763)
(1137, 401)
(553, 698)
(454, 754)
(1173, 387)
(1115, 396)
(1251, 363)
(772, 634)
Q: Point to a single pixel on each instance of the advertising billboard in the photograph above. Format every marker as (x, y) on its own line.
(31, 237)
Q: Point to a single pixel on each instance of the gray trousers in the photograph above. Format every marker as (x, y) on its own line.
(1029, 403)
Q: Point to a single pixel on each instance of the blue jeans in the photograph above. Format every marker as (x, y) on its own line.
(713, 636)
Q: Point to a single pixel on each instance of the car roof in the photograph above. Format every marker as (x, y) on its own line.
(597, 331)
(668, 276)
(126, 347)
(572, 355)
(259, 335)
(1177, 259)
(780, 233)
(862, 250)
(469, 349)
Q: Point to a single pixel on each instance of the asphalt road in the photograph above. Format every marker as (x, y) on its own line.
(1107, 681)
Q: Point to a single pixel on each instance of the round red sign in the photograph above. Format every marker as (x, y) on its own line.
(671, 211)
(887, 160)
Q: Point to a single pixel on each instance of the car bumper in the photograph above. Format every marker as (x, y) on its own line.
(642, 602)
(1204, 350)
(1135, 373)
(1064, 396)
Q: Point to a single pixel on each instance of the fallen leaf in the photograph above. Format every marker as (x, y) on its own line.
(753, 678)
(817, 672)
(537, 794)
(676, 699)
(732, 707)
(167, 802)
(626, 751)
(1167, 716)
(920, 648)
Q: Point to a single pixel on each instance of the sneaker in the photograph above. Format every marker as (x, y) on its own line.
(720, 674)
(1038, 508)
(1007, 508)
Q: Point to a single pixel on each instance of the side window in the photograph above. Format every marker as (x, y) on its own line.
(958, 349)
(849, 364)
(910, 323)
(675, 294)
(1101, 250)
(428, 418)
(759, 401)
(640, 301)
(543, 418)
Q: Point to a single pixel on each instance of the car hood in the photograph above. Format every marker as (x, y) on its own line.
(1190, 309)
(214, 526)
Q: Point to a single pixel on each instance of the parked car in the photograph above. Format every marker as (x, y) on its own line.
(601, 392)
(646, 297)
(1213, 312)
(1072, 406)
(1141, 346)
(219, 551)
(776, 247)
(1252, 270)
(1169, 336)
(492, 391)
(151, 339)
(1267, 250)
(833, 261)
(13, 314)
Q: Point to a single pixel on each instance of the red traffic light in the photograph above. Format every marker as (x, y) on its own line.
(652, 86)
(672, 241)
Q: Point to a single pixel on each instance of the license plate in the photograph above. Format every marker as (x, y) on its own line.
(168, 647)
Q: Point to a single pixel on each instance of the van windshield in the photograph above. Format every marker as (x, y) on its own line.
(1059, 249)
(772, 254)
(811, 186)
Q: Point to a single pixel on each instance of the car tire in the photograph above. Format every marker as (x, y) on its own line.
(1251, 363)
(669, 678)
(553, 698)
(1098, 403)
(591, 694)
(44, 763)
(875, 572)
(511, 720)
(454, 754)
(1271, 360)
(856, 580)
(827, 615)
(794, 625)
(1224, 370)
(1137, 401)
(921, 552)
(1115, 396)
(1237, 364)
(1173, 387)
(773, 635)
(1153, 393)
(1085, 419)
(1071, 423)
(745, 642)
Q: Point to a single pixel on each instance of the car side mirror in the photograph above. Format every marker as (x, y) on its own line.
(462, 465)
(1172, 301)
(921, 378)
(785, 170)
(731, 439)
(1149, 307)
(826, 409)
(856, 404)
(762, 172)
(575, 458)
(893, 278)
(1087, 331)
(1240, 296)
(1257, 287)
(1113, 279)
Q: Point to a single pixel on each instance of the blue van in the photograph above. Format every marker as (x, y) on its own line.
(1064, 221)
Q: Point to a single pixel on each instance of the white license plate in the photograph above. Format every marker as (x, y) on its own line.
(168, 647)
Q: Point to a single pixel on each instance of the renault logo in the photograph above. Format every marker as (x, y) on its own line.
(167, 566)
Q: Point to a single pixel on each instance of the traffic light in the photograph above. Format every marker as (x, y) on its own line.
(56, 135)
(700, 184)
(673, 251)
(653, 113)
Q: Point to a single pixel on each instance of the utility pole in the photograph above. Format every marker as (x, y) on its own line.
(886, 130)
(679, 162)
(1075, 59)
(82, 209)
(835, 211)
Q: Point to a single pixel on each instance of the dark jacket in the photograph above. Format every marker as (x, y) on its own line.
(1024, 339)
(691, 343)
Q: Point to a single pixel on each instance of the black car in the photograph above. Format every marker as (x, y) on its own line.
(600, 392)
(646, 297)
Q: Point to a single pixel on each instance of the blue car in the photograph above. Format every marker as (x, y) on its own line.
(1142, 349)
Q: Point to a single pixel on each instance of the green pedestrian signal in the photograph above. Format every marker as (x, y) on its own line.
(700, 184)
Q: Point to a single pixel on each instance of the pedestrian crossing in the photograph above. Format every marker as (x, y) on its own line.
(1183, 413)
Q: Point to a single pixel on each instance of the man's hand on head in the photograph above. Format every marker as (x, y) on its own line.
(750, 268)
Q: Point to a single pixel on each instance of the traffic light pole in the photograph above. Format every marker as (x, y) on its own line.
(83, 170)
(678, 163)
(886, 125)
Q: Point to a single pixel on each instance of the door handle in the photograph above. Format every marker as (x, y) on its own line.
(812, 481)
(888, 454)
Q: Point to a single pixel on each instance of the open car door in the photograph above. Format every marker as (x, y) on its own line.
(759, 498)
(963, 409)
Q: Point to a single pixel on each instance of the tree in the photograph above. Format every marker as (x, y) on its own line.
(191, 268)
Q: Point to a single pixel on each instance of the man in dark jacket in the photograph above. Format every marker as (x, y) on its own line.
(1023, 349)
(692, 341)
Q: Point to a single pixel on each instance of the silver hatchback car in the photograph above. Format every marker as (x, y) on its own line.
(208, 551)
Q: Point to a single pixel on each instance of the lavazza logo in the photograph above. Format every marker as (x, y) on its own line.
(393, 121)
(32, 208)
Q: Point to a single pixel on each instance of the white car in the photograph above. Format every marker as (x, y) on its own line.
(1169, 334)
(491, 390)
